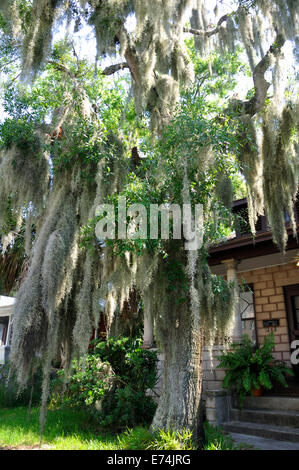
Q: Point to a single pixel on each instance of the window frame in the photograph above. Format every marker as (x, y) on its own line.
(250, 288)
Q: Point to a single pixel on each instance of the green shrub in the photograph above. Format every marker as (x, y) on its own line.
(216, 439)
(90, 380)
(112, 382)
(138, 438)
(172, 440)
(141, 438)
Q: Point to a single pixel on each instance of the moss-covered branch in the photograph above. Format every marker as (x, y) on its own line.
(210, 32)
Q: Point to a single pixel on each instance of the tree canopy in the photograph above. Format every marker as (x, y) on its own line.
(164, 122)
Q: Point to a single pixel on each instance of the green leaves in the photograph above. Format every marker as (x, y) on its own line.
(264, 379)
(81, 144)
(19, 132)
(112, 381)
(216, 75)
(247, 367)
(247, 379)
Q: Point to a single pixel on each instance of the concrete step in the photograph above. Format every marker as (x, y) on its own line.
(272, 403)
(274, 417)
(260, 443)
(268, 431)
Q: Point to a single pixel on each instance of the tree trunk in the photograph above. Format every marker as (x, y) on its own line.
(179, 405)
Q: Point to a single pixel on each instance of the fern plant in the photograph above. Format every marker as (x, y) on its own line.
(248, 367)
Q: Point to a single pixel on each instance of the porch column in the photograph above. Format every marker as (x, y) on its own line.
(148, 333)
(232, 276)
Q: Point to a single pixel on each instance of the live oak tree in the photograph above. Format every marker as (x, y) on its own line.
(54, 175)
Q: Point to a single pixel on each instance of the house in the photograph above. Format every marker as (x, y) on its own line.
(6, 319)
(269, 302)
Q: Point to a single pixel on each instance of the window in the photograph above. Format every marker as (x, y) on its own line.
(295, 301)
(247, 312)
(3, 330)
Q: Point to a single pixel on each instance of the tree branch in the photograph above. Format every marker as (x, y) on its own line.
(62, 68)
(107, 71)
(211, 32)
(200, 83)
(239, 108)
(115, 68)
(261, 85)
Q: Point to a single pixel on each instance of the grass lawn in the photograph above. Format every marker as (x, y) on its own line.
(68, 429)
(64, 430)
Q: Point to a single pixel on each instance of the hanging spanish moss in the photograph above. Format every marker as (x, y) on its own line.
(280, 169)
(10, 12)
(68, 286)
(228, 36)
(282, 15)
(200, 22)
(24, 176)
(39, 36)
(4, 5)
(252, 168)
(247, 30)
(30, 324)
(224, 190)
(107, 19)
(216, 309)
(88, 315)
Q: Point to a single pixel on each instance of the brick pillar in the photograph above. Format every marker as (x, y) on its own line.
(217, 404)
(217, 407)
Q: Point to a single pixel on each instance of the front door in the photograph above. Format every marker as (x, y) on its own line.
(292, 305)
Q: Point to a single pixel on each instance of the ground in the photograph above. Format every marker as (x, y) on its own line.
(65, 429)
(69, 429)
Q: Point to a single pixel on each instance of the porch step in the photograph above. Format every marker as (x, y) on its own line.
(268, 431)
(272, 417)
(260, 443)
(272, 403)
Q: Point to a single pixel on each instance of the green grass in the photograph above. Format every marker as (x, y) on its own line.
(216, 439)
(64, 430)
(70, 429)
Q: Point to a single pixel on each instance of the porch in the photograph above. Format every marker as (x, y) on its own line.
(268, 302)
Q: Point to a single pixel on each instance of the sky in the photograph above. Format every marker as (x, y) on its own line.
(85, 44)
